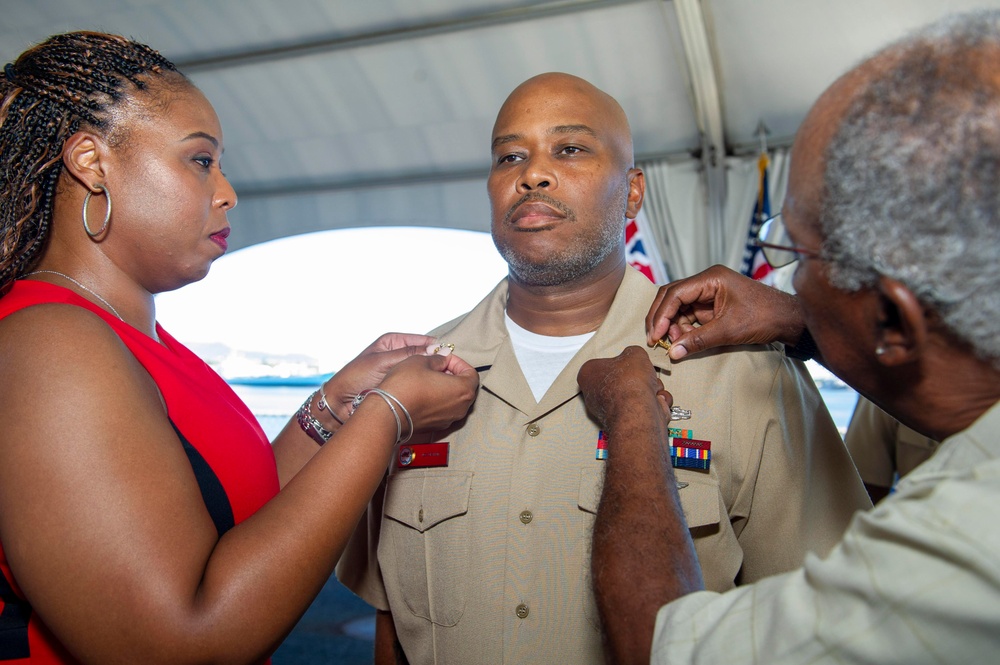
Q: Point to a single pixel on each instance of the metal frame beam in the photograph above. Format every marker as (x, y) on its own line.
(708, 111)
(254, 55)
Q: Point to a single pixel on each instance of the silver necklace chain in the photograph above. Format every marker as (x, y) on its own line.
(88, 290)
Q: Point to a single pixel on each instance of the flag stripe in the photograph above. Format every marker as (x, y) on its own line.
(640, 252)
(754, 264)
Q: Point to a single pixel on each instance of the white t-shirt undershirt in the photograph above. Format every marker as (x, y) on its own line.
(541, 357)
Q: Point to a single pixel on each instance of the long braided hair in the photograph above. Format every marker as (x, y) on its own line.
(47, 93)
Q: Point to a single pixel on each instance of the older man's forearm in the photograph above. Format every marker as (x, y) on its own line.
(643, 556)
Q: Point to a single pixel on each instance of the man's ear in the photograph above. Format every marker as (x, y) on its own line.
(903, 324)
(636, 192)
(82, 156)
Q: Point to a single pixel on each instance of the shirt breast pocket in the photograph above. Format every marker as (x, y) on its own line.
(699, 496)
(425, 536)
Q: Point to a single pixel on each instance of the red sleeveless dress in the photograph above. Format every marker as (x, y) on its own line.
(229, 452)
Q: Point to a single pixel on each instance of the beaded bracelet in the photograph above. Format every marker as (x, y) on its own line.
(309, 424)
(389, 399)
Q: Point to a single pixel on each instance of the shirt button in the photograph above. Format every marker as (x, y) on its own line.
(526, 516)
(533, 429)
(521, 611)
(420, 515)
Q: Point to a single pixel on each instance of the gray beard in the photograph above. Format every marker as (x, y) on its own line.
(577, 259)
(565, 267)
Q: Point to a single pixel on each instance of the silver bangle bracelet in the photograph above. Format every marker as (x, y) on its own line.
(324, 404)
(389, 399)
(409, 420)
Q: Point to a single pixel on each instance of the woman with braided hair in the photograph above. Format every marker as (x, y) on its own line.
(140, 512)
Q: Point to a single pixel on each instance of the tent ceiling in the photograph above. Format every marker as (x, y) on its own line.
(344, 113)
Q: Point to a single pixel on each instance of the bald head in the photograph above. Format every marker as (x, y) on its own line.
(805, 191)
(572, 97)
(562, 183)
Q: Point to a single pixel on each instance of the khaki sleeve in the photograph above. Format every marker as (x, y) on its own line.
(881, 446)
(805, 488)
(912, 449)
(871, 441)
(358, 567)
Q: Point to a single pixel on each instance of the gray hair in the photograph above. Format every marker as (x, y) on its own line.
(912, 181)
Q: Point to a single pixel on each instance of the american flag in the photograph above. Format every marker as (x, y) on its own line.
(754, 264)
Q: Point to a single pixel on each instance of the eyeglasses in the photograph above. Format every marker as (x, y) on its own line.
(774, 241)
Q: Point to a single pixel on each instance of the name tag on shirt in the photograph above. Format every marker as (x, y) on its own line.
(422, 455)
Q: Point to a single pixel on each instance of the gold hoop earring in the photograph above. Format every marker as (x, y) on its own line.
(107, 215)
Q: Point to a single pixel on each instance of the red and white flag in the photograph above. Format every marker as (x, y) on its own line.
(641, 252)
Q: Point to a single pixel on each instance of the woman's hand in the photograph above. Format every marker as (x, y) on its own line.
(428, 377)
(370, 367)
(436, 389)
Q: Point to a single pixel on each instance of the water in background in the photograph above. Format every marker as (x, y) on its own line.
(273, 405)
(840, 402)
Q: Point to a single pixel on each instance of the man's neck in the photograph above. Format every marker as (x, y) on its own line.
(565, 309)
(947, 395)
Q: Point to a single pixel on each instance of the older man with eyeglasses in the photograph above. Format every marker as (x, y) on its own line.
(893, 210)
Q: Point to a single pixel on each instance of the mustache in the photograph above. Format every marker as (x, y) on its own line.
(534, 197)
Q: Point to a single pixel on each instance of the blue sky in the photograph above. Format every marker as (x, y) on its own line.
(330, 294)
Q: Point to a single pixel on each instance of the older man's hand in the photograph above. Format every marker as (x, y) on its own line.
(720, 307)
(612, 385)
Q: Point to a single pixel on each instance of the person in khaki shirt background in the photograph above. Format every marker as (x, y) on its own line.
(883, 449)
(477, 548)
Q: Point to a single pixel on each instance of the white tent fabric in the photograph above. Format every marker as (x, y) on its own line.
(340, 114)
(742, 184)
(676, 208)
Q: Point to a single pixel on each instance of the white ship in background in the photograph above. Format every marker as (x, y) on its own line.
(259, 368)
(823, 377)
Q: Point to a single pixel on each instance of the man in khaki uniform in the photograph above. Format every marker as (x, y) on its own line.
(477, 549)
(883, 449)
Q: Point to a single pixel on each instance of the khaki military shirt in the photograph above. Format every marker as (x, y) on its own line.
(882, 447)
(487, 560)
